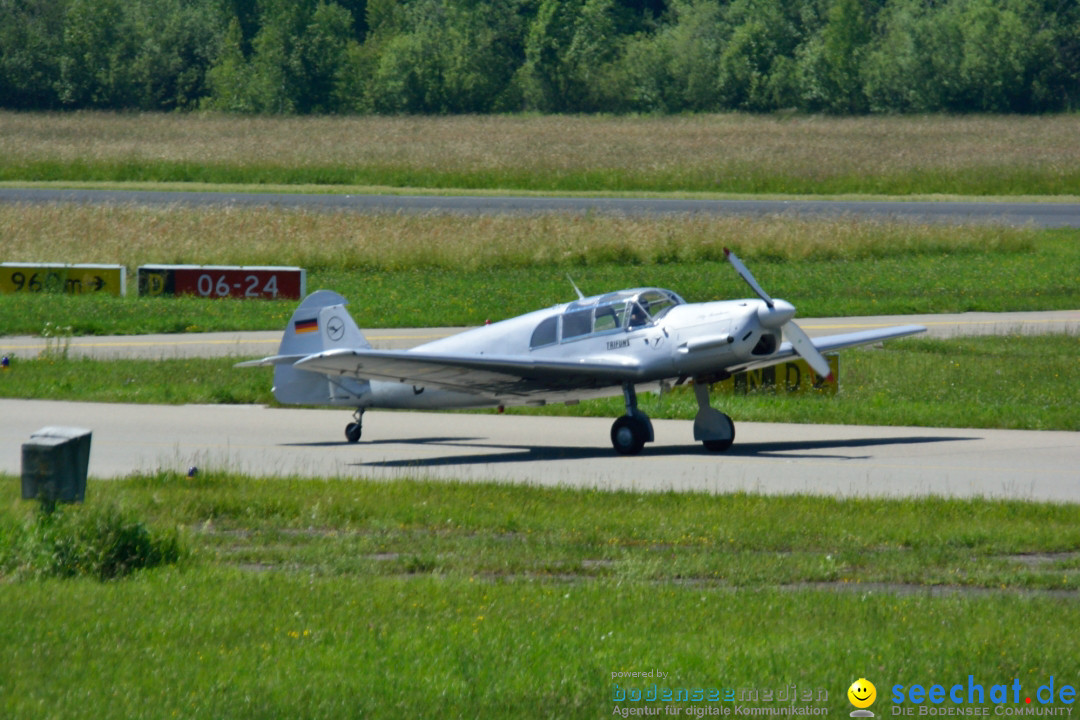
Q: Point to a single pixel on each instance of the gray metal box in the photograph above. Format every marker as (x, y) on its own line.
(54, 464)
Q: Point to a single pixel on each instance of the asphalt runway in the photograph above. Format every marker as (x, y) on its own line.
(1042, 214)
(260, 344)
(833, 460)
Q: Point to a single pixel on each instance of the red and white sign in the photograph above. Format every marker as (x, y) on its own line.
(221, 281)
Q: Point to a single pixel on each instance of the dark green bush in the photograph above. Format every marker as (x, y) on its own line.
(71, 541)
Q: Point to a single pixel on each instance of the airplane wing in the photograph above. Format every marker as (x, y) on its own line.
(512, 376)
(829, 343)
(497, 376)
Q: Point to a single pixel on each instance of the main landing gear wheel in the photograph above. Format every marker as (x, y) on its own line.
(631, 431)
(713, 428)
(628, 435)
(722, 445)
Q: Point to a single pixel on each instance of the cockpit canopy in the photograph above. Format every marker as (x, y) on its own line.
(617, 311)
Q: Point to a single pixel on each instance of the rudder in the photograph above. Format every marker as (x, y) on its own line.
(320, 323)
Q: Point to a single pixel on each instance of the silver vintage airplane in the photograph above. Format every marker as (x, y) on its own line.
(592, 347)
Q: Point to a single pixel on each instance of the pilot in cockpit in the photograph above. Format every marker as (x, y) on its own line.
(638, 316)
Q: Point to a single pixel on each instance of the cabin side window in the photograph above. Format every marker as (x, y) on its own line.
(609, 317)
(545, 333)
(577, 323)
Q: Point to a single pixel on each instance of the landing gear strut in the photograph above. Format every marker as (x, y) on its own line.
(352, 430)
(713, 428)
(631, 431)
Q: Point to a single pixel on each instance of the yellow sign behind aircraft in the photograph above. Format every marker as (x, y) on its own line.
(62, 278)
(789, 378)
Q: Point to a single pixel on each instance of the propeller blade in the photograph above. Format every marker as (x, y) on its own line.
(801, 343)
(745, 274)
(780, 314)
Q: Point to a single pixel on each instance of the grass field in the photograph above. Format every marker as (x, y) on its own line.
(966, 155)
(404, 270)
(1029, 382)
(391, 242)
(473, 600)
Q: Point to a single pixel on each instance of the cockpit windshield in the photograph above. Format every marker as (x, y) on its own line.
(658, 302)
(624, 310)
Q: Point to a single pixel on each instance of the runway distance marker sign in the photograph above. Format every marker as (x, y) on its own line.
(793, 377)
(221, 281)
(71, 279)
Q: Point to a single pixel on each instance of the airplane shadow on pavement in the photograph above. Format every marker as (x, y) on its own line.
(787, 450)
(409, 441)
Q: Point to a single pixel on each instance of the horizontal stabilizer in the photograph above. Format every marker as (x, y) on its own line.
(271, 361)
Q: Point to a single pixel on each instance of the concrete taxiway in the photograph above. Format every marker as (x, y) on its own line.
(767, 458)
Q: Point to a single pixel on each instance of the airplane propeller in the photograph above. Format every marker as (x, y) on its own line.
(779, 314)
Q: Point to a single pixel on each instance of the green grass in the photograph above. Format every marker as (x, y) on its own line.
(66, 315)
(170, 381)
(347, 526)
(211, 644)
(736, 153)
(1019, 382)
(420, 270)
(1034, 272)
(731, 178)
(347, 598)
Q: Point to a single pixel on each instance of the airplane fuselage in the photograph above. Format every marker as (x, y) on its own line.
(687, 340)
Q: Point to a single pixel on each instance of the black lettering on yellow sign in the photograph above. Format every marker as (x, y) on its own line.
(790, 378)
(55, 278)
(155, 284)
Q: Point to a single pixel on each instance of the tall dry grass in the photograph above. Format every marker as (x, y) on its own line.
(698, 146)
(136, 235)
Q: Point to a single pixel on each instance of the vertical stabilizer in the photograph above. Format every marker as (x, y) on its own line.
(320, 323)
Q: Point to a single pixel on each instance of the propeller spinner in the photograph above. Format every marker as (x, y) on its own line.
(779, 314)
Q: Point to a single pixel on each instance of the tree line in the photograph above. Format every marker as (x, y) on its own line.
(551, 56)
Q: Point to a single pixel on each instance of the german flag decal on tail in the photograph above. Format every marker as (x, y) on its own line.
(306, 326)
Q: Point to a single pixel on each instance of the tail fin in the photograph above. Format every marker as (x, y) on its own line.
(320, 323)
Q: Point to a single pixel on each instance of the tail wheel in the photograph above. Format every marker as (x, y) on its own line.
(352, 432)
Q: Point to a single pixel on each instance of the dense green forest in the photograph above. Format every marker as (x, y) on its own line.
(551, 56)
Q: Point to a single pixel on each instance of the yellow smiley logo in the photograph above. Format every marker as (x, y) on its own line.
(862, 693)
